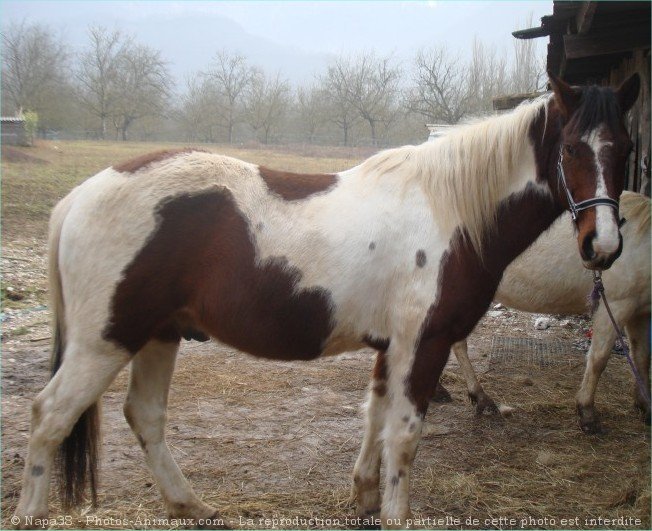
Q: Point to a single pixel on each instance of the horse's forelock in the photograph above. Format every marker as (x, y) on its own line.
(598, 106)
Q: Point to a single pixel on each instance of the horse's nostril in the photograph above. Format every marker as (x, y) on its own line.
(587, 246)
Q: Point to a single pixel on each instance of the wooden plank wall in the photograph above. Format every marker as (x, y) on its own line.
(638, 120)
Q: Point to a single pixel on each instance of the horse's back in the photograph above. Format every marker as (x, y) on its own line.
(166, 248)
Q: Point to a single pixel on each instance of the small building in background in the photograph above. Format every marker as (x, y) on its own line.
(13, 131)
(604, 43)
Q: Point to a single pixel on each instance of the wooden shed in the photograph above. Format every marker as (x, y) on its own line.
(13, 130)
(604, 43)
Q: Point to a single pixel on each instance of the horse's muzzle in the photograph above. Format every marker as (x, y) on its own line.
(596, 258)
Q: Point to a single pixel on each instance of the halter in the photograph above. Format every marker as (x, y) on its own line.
(582, 205)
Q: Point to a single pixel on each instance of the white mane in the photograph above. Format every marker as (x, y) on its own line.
(467, 172)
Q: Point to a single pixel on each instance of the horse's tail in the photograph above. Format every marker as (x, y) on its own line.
(77, 461)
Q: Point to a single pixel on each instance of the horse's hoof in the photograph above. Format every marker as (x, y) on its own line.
(592, 427)
(441, 395)
(589, 420)
(483, 403)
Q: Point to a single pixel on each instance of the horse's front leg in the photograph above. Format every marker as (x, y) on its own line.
(412, 377)
(603, 340)
(365, 490)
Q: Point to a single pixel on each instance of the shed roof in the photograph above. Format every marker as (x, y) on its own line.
(588, 39)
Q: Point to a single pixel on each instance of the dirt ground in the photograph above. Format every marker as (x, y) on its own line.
(262, 439)
(269, 440)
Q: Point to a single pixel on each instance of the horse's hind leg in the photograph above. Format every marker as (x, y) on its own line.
(638, 332)
(145, 410)
(477, 395)
(366, 473)
(85, 373)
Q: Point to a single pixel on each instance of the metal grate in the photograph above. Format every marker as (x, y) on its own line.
(537, 352)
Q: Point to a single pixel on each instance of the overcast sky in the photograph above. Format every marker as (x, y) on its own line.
(296, 37)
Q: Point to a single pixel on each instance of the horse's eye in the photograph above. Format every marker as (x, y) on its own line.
(569, 149)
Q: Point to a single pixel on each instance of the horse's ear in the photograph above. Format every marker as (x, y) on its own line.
(628, 92)
(567, 97)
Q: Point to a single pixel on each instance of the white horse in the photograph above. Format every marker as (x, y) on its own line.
(403, 252)
(560, 285)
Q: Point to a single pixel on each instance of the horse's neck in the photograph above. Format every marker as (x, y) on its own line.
(521, 219)
(525, 215)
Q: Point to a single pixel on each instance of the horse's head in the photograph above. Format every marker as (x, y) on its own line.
(593, 151)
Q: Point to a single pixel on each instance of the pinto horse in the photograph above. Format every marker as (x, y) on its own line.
(560, 285)
(403, 252)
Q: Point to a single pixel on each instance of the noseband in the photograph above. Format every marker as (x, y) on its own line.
(582, 205)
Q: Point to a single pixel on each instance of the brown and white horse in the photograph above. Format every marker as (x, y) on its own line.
(403, 252)
(560, 285)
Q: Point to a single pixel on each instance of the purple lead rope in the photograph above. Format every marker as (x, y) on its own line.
(594, 298)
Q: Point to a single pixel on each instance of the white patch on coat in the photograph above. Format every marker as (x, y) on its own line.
(606, 240)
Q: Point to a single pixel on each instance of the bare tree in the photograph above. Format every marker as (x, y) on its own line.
(196, 113)
(487, 77)
(440, 86)
(340, 109)
(310, 102)
(231, 76)
(266, 103)
(34, 68)
(98, 73)
(373, 90)
(143, 86)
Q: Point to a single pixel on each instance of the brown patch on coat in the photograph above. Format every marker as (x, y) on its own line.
(198, 271)
(379, 374)
(142, 161)
(405, 459)
(421, 258)
(378, 343)
(295, 186)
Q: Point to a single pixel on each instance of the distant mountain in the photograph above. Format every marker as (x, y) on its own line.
(187, 42)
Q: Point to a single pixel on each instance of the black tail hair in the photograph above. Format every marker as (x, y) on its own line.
(78, 457)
